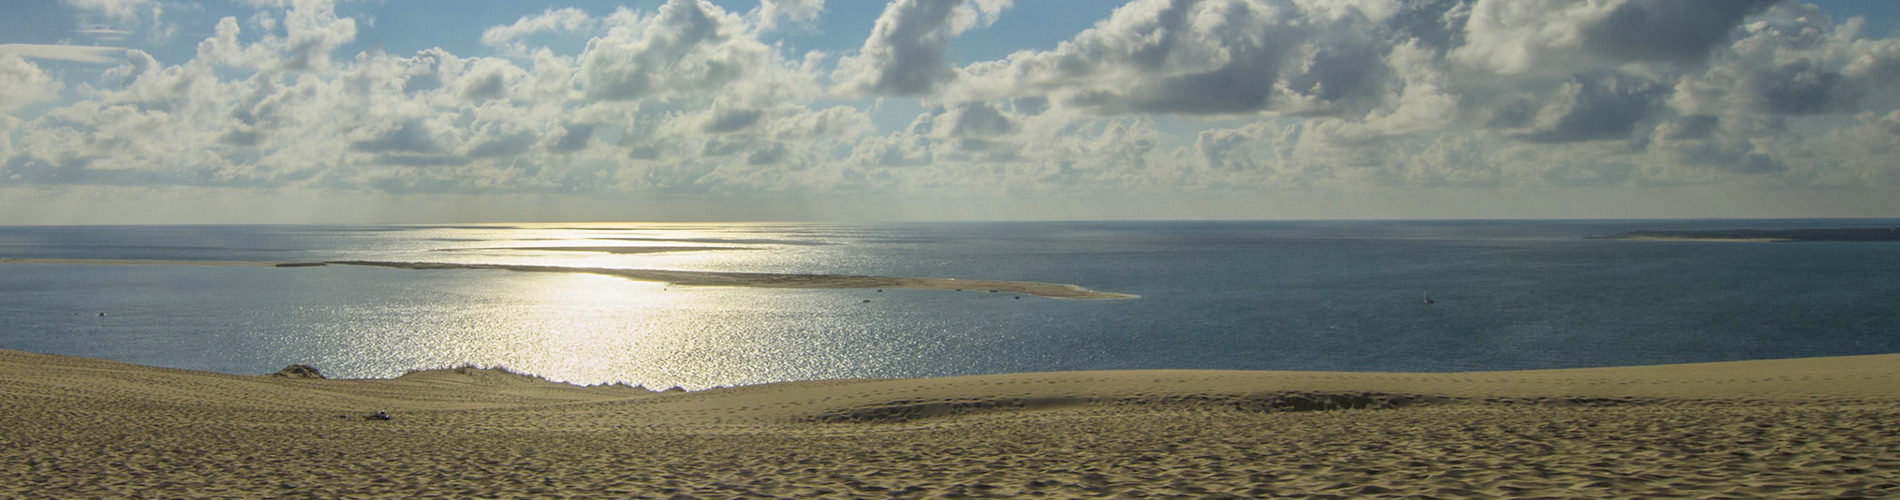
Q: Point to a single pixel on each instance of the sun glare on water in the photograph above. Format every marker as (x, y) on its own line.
(590, 328)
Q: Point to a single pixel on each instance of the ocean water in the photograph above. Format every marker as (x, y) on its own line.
(1509, 295)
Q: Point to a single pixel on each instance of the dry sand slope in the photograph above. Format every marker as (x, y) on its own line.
(1811, 428)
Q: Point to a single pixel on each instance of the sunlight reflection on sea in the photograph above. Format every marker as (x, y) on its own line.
(1290, 296)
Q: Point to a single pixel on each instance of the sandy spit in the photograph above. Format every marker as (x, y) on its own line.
(682, 278)
(1805, 428)
(1705, 239)
(778, 280)
(130, 262)
(598, 249)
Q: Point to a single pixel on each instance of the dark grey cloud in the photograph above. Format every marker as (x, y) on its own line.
(1439, 24)
(242, 138)
(489, 86)
(732, 120)
(644, 153)
(409, 136)
(1668, 31)
(1212, 58)
(573, 137)
(768, 155)
(1255, 43)
(1802, 87)
(1601, 108)
(980, 119)
(509, 144)
(1691, 127)
(1338, 73)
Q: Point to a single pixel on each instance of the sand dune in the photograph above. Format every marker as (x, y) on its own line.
(1808, 428)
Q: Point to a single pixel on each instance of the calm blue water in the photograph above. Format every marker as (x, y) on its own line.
(1214, 295)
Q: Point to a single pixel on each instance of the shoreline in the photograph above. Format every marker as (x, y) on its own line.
(1804, 427)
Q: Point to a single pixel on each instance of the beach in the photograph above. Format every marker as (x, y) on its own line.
(1800, 428)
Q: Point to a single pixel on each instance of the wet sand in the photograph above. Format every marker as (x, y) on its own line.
(1804, 428)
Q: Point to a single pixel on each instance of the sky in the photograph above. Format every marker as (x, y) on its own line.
(414, 111)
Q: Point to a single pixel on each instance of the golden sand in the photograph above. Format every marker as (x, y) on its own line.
(1806, 428)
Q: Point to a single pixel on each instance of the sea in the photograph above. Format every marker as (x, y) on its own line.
(1271, 295)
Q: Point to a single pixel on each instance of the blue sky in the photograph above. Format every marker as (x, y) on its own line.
(159, 111)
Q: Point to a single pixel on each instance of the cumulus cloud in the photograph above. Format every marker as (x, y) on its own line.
(313, 31)
(1163, 96)
(25, 83)
(567, 20)
(1214, 57)
(905, 54)
(773, 15)
(687, 46)
(1517, 37)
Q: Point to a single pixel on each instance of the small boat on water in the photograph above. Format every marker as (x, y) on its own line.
(1428, 300)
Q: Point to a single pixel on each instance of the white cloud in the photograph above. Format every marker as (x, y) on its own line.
(905, 54)
(567, 20)
(1515, 37)
(113, 20)
(74, 53)
(688, 46)
(120, 11)
(773, 15)
(313, 30)
(24, 83)
(1239, 97)
(1216, 57)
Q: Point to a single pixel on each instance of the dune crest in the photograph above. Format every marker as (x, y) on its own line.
(1803, 428)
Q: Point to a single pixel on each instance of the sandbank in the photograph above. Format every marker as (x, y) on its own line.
(135, 262)
(1702, 239)
(682, 278)
(1850, 234)
(629, 250)
(1802, 428)
(780, 280)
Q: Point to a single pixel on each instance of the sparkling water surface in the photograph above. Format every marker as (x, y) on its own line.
(1213, 295)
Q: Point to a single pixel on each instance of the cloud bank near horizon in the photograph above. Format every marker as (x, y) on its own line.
(1162, 98)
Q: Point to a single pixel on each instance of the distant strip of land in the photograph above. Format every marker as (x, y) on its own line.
(1766, 235)
(775, 280)
(140, 262)
(599, 249)
(682, 278)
